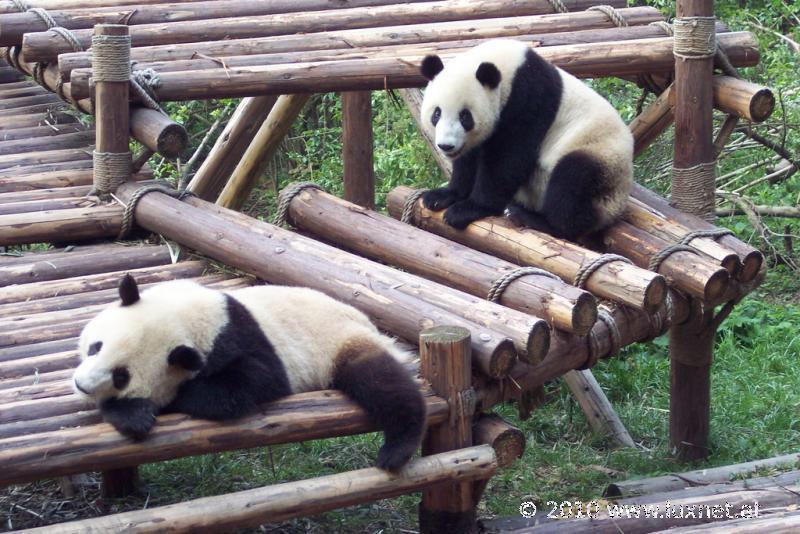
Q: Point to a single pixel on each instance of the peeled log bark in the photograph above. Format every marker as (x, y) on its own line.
(46, 46)
(38, 132)
(381, 238)
(396, 301)
(293, 499)
(743, 99)
(585, 60)
(65, 140)
(77, 223)
(316, 415)
(507, 441)
(8, 7)
(558, 31)
(63, 180)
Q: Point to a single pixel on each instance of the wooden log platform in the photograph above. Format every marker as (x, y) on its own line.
(45, 173)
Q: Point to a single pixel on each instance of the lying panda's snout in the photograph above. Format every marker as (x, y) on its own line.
(90, 381)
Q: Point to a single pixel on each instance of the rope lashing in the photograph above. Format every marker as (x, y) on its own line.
(689, 189)
(659, 257)
(144, 83)
(44, 16)
(712, 233)
(499, 286)
(21, 5)
(662, 319)
(612, 14)
(666, 26)
(558, 6)
(588, 269)
(130, 207)
(111, 58)
(695, 37)
(408, 207)
(285, 199)
(111, 169)
(69, 37)
(604, 316)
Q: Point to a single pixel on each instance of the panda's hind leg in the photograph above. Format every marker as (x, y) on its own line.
(380, 384)
(569, 208)
(522, 216)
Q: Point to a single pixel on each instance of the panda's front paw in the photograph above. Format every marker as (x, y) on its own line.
(439, 199)
(461, 214)
(132, 417)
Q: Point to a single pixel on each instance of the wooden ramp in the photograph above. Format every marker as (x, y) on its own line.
(46, 169)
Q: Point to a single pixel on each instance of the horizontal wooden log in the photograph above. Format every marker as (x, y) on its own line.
(47, 226)
(44, 363)
(381, 238)
(59, 388)
(66, 140)
(38, 349)
(398, 302)
(24, 90)
(85, 264)
(305, 497)
(584, 60)
(7, 6)
(700, 477)
(507, 441)
(35, 119)
(50, 204)
(78, 193)
(751, 258)
(616, 281)
(30, 170)
(44, 157)
(743, 99)
(301, 417)
(780, 520)
(45, 46)
(543, 30)
(42, 294)
(80, 418)
(11, 103)
(38, 132)
(55, 107)
(13, 26)
(68, 182)
(39, 378)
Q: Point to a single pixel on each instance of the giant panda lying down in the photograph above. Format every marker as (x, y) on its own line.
(181, 347)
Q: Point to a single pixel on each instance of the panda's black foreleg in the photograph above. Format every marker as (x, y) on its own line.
(576, 181)
(460, 186)
(385, 390)
(132, 417)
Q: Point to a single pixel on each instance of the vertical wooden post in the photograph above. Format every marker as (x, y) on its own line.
(118, 483)
(359, 175)
(445, 363)
(692, 342)
(112, 70)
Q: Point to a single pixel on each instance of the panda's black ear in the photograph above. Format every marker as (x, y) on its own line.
(128, 290)
(431, 66)
(488, 75)
(185, 357)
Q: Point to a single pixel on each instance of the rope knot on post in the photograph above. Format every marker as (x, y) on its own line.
(695, 37)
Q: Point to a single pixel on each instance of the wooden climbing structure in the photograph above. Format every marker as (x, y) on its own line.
(497, 311)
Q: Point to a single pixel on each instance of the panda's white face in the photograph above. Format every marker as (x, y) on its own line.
(465, 98)
(125, 350)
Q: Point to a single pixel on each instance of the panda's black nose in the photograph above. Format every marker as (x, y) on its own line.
(445, 148)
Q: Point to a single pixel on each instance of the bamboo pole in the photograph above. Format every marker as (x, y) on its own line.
(692, 344)
(618, 58)
(263, 146)
(359, 175)
(14, 25)
(383, 239)
(283, 257)
(445, 364)
(230, 146)
(45, 46)
(293, 499)
(598, 28)
(321, 414)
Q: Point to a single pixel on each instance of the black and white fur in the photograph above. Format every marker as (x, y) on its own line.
(182, 347)
(527, 136)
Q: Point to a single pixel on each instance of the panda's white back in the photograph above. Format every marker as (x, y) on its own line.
(309, 330)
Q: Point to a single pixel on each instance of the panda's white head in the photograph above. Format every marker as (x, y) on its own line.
(464, 99)
(145, 346)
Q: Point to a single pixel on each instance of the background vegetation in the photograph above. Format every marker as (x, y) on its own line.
(756, 379)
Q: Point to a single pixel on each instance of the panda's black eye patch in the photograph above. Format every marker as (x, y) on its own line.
(437, 114)
(121, 377)
(467, 122)
(94, 348)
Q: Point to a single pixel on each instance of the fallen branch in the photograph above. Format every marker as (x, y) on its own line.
(763, 211)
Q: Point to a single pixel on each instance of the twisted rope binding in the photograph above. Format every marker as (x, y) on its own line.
(111, 58)
(111, 169)
(588, 269)
(130, 207)
(69, 37)
(44, 16)
(694, 37)
(611, 324)
(659, 257)
(21, 5)
(713, 233)
(500, 285)
(689, 190)
(144, 83)
(558, 6)
(666, 26)
(661, 321)
(408, 208)
(285, 199)
(612, 14)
